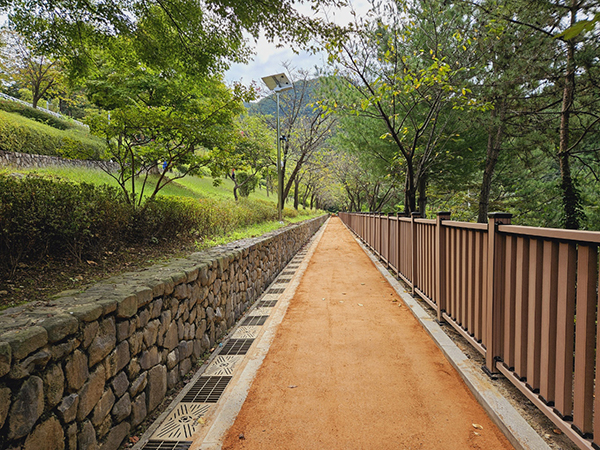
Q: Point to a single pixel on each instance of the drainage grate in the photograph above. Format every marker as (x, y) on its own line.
(206, 390)
(267, 304)
(275, 291)
(254, 320)
(283, 280)
(236, 347)
(162, 445)
(183, 422)
(260, 311)
(288, 272)
(246, 333)
(223, 366)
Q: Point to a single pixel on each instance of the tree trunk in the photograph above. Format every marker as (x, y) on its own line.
(296, 193)
(571, 200)
(422, 194)
(493, 151)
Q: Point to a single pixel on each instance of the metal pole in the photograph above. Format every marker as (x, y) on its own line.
(279, 171)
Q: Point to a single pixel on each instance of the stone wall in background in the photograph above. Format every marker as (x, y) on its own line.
(83, 370)
(27, 161)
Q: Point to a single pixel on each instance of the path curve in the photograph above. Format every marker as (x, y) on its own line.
(351, 368)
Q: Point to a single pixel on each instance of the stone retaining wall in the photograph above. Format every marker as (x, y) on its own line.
(25, 160)
(84, 370)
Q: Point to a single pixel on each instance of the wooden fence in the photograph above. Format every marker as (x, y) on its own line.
(525, 297)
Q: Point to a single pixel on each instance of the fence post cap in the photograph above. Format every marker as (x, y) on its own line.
(444, 213)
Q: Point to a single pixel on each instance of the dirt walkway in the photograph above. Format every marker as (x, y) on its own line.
(350, 368)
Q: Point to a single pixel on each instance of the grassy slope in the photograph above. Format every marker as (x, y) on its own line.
(76, 133)
(186, 187)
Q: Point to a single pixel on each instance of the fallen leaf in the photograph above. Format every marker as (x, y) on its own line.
(201, 420)
(241, 436)
(92, 263)
(394, 300)
(322, 299)
(360, 304)
(476, 433)
(476, 425)
(343, 293)
(341, 301)
(134, 439)
(557, 431)
(362, 284)
(292, 386)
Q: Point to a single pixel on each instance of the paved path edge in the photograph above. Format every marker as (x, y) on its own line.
(516, 429)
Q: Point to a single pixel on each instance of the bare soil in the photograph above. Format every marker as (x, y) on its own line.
(351, 368)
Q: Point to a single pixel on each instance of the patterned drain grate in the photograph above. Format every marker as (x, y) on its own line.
(288, 272)
(246, 333)
(162, 445)
(267, 304)
(222, 366)
(275, 290)
(183, 422)
(206, 390)
(254, 320)
(236, 347)
(284, 280)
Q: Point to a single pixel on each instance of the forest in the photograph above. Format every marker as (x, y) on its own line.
(461, 106)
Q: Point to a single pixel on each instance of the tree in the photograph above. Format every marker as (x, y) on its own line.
(410, 73)
(249, 157)
(22, 65)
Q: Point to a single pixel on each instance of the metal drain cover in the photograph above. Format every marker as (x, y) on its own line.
(275, 290)
(267, 304)
(206, 390)
(166, 445)
(183, 422)
(236, 347)
(254, 320)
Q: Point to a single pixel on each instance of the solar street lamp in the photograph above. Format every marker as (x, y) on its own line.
(278, 83)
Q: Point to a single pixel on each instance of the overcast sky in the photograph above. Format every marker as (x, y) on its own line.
(268, 59)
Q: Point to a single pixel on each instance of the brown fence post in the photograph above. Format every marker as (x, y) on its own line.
(495, 289)
(389, 240)
(413, 228)
(440, 264)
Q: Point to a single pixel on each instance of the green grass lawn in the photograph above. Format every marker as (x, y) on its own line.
(190, 186)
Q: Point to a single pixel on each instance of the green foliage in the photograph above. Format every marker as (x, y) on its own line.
(35, 114)
(19, 134)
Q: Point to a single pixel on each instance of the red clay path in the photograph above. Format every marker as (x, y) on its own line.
(351, 368)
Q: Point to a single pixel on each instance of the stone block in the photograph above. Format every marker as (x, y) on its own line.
(117, 360)
(37, 361)
(87, 437)
(116, 436)
(138, 410)
(59, 327)
(54, 384)
(157, 386)
(5, 395)
(67, 410)
(149, 358)
(87, 313)
(26, 341)
(173, 377)
(124, 330)
(184, 367)
(133, 368)
(5, 358)
(48, 435)
(91, 393)
(89, 333)
(71, 437)
(76, 370)
(135, 343)
(151, 333)
(127, 306)
(122, 409)
(104, 342)
(138, 384)
(27, 408)
(103, 407)
(120, 384)
(156, 308)
(143, 318)
(171, 338)
(172, 359)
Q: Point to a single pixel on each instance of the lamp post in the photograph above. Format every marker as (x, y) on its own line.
(278, 83)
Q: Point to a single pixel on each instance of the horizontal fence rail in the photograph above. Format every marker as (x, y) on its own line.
(526, 298)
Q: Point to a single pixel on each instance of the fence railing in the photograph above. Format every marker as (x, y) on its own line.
(525, 297)
(47, 111)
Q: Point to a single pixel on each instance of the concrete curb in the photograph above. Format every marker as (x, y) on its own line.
(516, 429)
